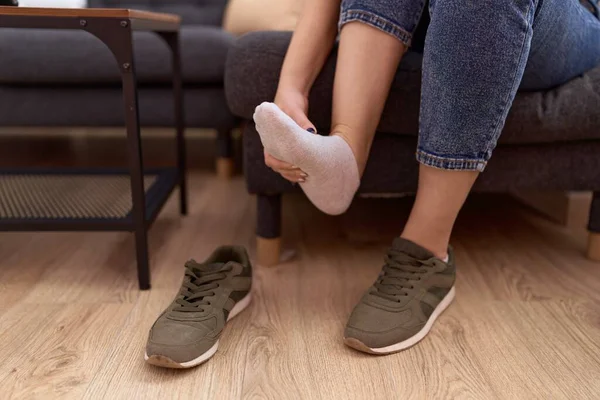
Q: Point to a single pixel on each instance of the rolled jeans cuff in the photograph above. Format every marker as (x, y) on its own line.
(450, 163)
(376, 21)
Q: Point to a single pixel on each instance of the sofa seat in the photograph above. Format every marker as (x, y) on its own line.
(73, 57)
(563, 114)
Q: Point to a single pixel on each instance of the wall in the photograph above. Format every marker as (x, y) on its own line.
(52, 3)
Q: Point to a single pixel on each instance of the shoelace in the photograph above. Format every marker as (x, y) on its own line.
(199, 282)
(399, 274)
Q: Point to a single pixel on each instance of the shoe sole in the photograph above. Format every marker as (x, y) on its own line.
(394, 348)
(166, 362)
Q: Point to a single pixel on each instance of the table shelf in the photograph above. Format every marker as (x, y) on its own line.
(78, 199)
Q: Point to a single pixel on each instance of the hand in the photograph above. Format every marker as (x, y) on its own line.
(294, 104)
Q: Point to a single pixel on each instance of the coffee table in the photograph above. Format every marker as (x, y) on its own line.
(100, 199)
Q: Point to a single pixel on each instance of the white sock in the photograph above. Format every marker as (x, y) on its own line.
(333, 176)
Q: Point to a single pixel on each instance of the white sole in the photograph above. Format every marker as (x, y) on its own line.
(358, 345)
(163, 361)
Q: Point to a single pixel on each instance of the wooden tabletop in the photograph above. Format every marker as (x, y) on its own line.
(133, 15)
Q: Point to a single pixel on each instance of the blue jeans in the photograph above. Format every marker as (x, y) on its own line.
(477, 54)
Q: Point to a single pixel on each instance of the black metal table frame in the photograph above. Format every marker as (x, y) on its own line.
(117, 35)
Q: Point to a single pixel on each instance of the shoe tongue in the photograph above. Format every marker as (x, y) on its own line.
(212, 267)
(412, 249)
(208, 267)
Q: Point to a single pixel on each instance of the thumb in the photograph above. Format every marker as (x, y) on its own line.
(302, 120)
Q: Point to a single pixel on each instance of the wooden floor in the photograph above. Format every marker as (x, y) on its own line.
(525, 323)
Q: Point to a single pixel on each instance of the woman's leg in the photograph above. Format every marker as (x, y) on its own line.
(440, 197)
(367, 62)
(476, 53)
(368, 57)
(469, 85)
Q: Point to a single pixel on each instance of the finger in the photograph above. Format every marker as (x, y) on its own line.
(278, 164)
(301, 119)
(293, 177)
(273, 162)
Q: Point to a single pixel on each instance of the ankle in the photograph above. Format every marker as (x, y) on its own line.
(359, 148)
(439, 248)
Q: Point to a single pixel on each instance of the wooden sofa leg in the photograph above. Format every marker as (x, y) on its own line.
(268, 229)
(268, 251)
(225, 164)
(593, 250)
(225, 167)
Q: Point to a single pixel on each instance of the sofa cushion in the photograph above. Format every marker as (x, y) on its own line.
(569, 112)
(205, 107)
(204, 12)
(243, 16)
(31, 56)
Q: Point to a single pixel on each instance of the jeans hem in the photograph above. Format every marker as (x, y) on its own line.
(450, 163)
(377, 22)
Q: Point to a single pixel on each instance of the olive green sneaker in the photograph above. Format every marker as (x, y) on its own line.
(413, 289)
(187, 333)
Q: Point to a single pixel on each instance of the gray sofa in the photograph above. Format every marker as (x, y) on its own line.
(69, 78)
(551, 139)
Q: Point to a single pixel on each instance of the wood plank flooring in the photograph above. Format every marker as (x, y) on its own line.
(525, 323)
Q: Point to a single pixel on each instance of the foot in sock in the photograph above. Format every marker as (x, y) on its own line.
(333, 176)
